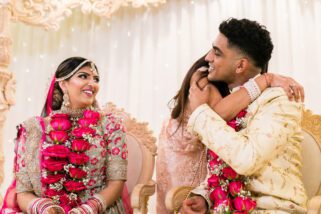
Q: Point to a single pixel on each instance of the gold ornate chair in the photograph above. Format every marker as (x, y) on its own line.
(311, 153)
(311, 170)
(141, 159)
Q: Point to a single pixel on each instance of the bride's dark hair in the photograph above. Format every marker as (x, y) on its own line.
(64, 69)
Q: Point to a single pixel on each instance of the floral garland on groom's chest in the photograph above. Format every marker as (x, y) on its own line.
(227, 189)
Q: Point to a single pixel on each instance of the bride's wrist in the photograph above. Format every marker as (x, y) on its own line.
(39, 205)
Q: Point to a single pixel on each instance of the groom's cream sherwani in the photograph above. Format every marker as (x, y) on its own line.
(268, 150)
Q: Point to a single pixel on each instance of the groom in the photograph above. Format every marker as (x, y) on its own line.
(268, 149)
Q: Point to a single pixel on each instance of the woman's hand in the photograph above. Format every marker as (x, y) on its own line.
(198, 96)
(292, 88)
(75, 211)
(215, 96)
(55, 210)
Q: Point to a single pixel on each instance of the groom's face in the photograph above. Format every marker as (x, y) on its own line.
(222, 61)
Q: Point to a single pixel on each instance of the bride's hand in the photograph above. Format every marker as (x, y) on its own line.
(75, 211)
(215, 95)
(55, 210)
(292, 88)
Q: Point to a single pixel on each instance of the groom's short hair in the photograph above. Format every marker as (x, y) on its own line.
(249, 37)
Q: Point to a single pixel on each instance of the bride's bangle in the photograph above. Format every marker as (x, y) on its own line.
(39, 205)
(32, 205)
(101, 201)
(95, 204)
(252, 89)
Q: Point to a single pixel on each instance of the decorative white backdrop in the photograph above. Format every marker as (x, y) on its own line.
(143, 54)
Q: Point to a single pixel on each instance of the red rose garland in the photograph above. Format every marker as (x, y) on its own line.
(64, 173)
(227, 188)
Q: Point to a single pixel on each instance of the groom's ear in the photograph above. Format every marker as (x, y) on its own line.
(242, 65)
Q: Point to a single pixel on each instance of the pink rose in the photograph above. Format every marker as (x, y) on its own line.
(91, 182)
(229, 173)
(50, 179)
(115, 151)
(241, 114)
(103, 153)
(66, 208)
(58, 136)
(117, 127)
(108, 126)
(212, 154)
(226, 202)
(213, 181)
(245, 204)
(235, 187)
(103, 144)
(80, 145)
(60, 116)
(94, 161)
(78, 159)
(79, 132)
(124, 155)
(91, 114)
(60, 124)
(51, 192)
(53, 165)
(250, 204)
(239, 204)
(86, 122)
(117, 139)
(232, 123)
(64, 199)
(215, 162)
(68, 204)
(77, 173)
(57, 151)
(218, 194)
(74, 186)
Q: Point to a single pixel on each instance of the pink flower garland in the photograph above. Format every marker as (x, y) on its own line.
(227, 188)
(64, 173)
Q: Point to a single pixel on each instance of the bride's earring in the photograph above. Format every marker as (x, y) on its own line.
(66, 101)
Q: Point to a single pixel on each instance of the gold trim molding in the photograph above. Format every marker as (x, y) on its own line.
(311, 123)
(49, 14)
(7, 81)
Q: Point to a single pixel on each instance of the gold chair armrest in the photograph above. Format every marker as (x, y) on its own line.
(176, 196)
(140, 195)
(314, 205)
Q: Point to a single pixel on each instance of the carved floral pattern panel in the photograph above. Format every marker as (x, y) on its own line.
(49, 14)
